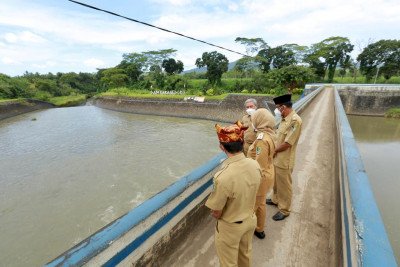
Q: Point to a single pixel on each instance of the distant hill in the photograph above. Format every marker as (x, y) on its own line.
(231, 65)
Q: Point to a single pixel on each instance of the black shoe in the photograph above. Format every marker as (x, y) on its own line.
(270, 202)
(279, 216)
(260, 235)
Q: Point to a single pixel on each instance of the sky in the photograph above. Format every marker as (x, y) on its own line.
(60, 36)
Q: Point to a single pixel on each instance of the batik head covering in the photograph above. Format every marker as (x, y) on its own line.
(231, 133)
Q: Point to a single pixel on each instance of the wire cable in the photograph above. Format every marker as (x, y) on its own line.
(153, 26)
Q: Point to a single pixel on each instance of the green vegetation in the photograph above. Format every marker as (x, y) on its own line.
(67, 101)
(393, 113)
(266, 70)
(8, 101)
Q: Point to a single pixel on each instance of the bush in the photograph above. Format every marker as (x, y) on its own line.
(42, 95)
(297, 91)
(393, 113)
(210, 92)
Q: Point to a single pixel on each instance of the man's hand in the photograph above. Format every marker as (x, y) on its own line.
(216, 213)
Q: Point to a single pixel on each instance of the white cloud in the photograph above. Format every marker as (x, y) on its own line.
(24, 36)
(94, 63)
(45, 65)
(10, 61)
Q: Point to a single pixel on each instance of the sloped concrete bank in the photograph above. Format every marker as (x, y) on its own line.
(13, 108)
(366, 99)
(228, 110)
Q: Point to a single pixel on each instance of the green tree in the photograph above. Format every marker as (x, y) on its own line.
(114, 77)
(157, 57)
(253, 45)
(157, 76)
(264, 58)
(134, 65)
(216, 64)
(291, 76)
(244, 66)
(171, 66)
(328, 53)
(384, 54)
(283, 56)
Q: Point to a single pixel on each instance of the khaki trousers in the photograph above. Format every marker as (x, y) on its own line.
(233, 242)
(261, 212)
(283, 189)
(260, 207)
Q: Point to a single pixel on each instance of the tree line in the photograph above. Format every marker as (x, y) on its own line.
(265, 69)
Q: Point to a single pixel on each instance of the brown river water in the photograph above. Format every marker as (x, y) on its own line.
(67, 172)
(378, 140)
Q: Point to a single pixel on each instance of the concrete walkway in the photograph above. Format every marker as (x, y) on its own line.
(310, 236)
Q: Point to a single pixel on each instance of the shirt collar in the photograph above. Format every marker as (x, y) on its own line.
(289, 116)
(234, 159)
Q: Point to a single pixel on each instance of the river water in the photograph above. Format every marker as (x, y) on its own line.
(378, 140)
(67, 172)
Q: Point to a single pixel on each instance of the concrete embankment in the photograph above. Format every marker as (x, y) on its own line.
(12, 108)
(227, 110)
(366, 99)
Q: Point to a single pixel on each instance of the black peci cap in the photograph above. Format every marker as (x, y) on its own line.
(282, 99)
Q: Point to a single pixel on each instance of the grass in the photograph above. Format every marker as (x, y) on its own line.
(393, 113)
(67, 101)
(9, 101)
(135, 94)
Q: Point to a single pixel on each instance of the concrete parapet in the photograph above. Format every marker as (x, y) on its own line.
(364, 238)
(365, 99)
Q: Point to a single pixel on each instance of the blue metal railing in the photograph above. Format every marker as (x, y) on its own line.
(365, 235)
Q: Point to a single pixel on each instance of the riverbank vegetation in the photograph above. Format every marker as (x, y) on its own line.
(266, 70)
(393, 113)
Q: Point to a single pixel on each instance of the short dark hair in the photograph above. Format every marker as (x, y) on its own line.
(233, 147)
(288, 104)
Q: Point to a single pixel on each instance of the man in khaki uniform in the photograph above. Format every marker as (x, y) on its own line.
(288, 135)
(262, 150)
(249, 135)
(233, 198)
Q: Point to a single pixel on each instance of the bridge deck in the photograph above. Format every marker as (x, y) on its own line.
(310, 236)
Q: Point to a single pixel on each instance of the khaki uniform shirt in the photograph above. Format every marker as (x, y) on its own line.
(289, 131)
(235, 188)
(249, 135)
(262, 150)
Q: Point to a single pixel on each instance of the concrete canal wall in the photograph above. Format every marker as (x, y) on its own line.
(228, 110)
(366, 99)
(12, 108)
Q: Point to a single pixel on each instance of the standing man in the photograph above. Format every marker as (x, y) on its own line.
(284, 158)
(262, 150)
(249, 135)
(233, 198)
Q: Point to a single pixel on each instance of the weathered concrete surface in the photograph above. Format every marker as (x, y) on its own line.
(311, 235)
(369, 101)
(13, 108)
(365, 99)
(228, 110)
